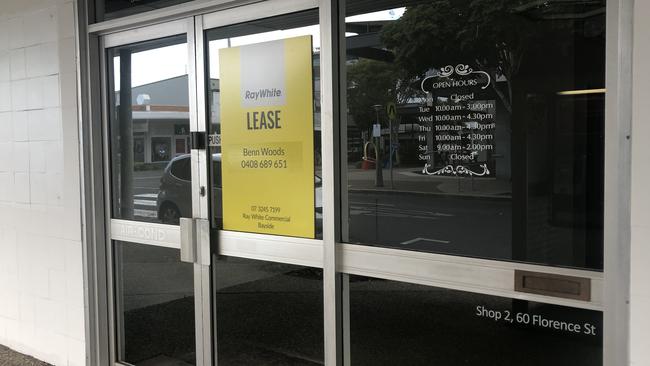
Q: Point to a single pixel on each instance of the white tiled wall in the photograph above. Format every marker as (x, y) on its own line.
(41, 284)
(640, 271)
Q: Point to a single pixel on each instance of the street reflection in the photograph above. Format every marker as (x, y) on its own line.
(477, 128)
(150, 128)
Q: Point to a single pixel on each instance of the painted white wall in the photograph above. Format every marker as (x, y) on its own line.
(41, 284)
(640, 215)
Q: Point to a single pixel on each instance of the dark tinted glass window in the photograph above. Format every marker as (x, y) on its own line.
(111, 9)
(268, 313)
(181, 168)
(155, 305)
(395, 323)
(476, 128)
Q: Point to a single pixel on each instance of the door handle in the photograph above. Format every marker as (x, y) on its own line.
(188, 240)
(195, 240)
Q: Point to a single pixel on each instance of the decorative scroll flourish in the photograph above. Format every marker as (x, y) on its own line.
(446, 71)
(458, 170)
(460, 70)
(463, 69)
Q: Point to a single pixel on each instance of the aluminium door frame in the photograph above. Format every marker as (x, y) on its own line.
(144, 233)
(284, 249)
(615, 285)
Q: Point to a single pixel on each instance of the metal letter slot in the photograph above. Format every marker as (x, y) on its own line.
(567, 287)
(195, 240)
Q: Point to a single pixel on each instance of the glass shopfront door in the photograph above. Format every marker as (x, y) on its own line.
(262, 106)
(447, 156)
(150, 180)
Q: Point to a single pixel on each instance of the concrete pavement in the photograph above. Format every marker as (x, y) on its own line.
(9, 357)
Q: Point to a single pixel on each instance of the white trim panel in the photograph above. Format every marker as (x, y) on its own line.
(258, 11)
(458, 273)
(283, 249)
(148, 33)
(165, 14)
(160, 235)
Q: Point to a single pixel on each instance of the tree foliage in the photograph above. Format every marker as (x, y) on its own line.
(486, 34)
(370, 83)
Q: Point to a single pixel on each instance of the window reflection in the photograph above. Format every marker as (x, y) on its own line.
(268, 313)
(155, 305)
(149, 123)
(477, 128)
(111, 9)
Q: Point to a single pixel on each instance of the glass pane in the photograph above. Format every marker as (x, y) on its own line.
(477, 128)
(155, 305)
(395, 323)
(111, 9)
(149, 126)
(268, 313)
(250, 33)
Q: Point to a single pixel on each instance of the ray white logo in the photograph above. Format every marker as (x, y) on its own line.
(263, 74)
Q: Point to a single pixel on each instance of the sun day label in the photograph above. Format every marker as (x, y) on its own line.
(267, 137)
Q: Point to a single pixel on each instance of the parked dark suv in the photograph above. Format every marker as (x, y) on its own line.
(175, 192)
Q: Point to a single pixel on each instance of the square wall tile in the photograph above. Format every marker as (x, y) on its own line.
(76, 353)
(51, 95)
(20, 126)
(56, 285)
(6, 191)
(75, 322)
(17, 62)
(37, 159)
(54, 156)
(5, 66)
(19, 95)
(16, 33)
(6, 152)
(34, 63)
(52, 129)
(38, 188)
(4, 35)
(21, 187)
(45, 124)
(51, 315)
(20, 156)
(5, 97)
(50, 57)
(68, 90)
(54, 189)
(35, 93)
(66, 20)
(6, 129)
(41, 26)
(67, 55)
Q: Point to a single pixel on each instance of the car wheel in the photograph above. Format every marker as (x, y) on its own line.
(169, 214)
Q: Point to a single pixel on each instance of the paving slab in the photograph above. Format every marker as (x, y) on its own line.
(9, 357)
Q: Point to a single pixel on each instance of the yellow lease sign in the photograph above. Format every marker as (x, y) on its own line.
(267, 137)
